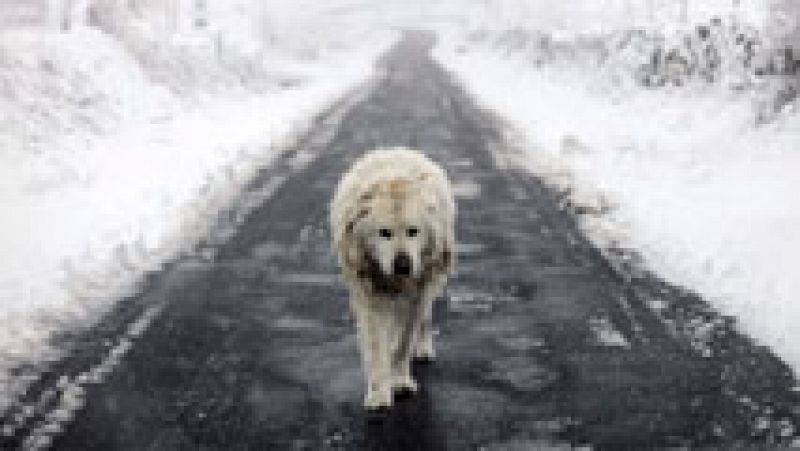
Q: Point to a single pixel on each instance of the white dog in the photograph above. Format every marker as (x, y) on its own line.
(392, 225)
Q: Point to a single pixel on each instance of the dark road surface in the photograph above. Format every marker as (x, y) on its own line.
(543, 343)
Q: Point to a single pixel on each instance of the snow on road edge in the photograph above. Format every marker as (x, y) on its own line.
(684, 178)
(72, 252)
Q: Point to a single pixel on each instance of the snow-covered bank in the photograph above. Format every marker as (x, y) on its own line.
(684, 176)
(114, 176)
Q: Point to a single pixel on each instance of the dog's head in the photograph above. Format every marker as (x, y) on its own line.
(394, 234)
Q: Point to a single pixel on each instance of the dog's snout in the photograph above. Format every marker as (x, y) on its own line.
(402, 265)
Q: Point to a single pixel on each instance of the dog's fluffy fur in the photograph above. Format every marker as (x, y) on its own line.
(392, 225)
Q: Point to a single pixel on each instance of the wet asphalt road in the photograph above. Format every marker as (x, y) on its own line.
(543, 342)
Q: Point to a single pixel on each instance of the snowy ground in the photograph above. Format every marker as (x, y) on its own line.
(103, 180)
(681, 175)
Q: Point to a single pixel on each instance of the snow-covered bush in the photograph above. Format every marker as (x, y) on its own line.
(125, 61)
(735, 55)
(726, 53)
(55, 85)
(191, 65)
(188, 60)
(712, 52)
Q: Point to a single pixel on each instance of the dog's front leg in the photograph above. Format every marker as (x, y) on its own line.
(376, 354)
(423, 347)
(408, 316)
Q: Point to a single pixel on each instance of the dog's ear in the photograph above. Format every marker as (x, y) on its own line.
(363, 212)
(438, 250)
(446, 258)
(349, 244)
(350, 251)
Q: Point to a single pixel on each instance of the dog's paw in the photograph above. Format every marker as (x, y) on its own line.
(404, 386)
(424, 354)
(377, 400)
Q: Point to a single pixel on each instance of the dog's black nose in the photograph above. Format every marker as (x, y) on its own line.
(402, 265)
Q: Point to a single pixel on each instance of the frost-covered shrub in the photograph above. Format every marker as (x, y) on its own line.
(188, 63)
(717, 51)
(67, 84)
(727, 53)
(542, 48)
(711, 52)
(197, 64)
(733, 54)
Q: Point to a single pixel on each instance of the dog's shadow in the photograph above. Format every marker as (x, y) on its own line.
(409, 425)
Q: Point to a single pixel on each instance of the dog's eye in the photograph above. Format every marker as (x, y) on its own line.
(413, 231)
(385, 233)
